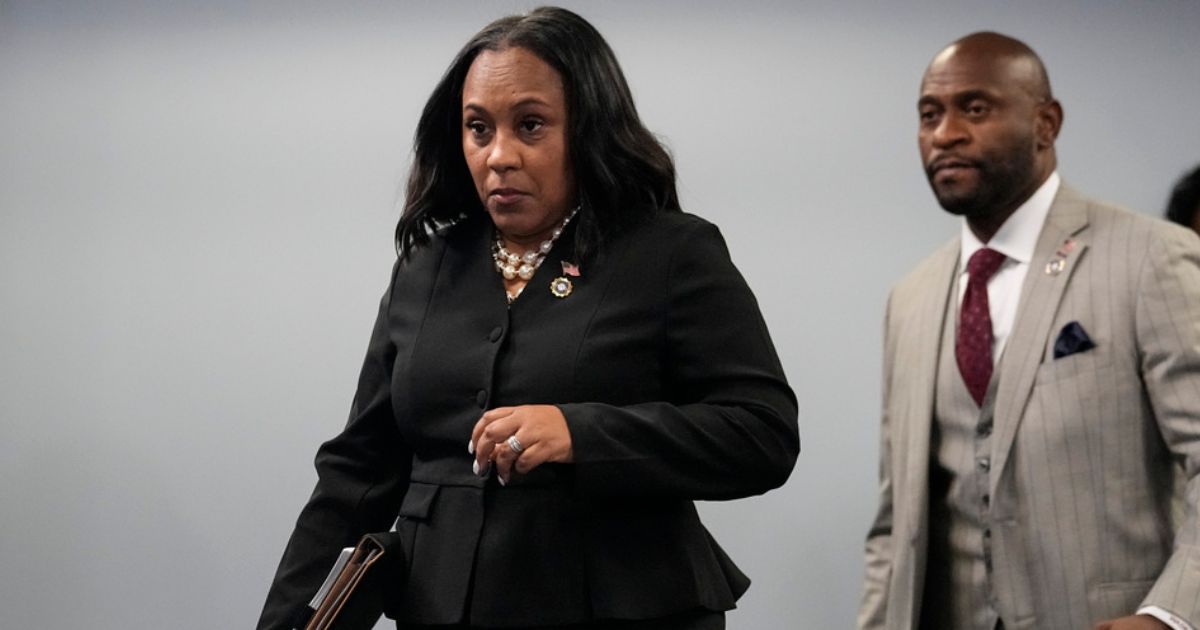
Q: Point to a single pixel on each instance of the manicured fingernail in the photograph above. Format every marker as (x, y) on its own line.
(502, 481)
(471, 446)
(475, 467)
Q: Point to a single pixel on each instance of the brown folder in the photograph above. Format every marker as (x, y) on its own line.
(351, 604)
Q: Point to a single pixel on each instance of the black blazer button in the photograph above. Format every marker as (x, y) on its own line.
(481, 398)
(495, 335)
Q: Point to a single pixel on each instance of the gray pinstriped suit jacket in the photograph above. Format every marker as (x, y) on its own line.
(1091, 451)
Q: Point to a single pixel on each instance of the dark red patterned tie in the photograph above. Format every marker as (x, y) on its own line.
(974, 345)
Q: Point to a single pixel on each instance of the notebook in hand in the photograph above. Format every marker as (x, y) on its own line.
(351, 598)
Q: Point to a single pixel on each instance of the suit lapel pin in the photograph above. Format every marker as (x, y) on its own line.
(562, 286)
(1059, 263)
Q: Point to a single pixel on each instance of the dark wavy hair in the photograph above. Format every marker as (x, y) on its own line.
(621, 171)
(1185, 200)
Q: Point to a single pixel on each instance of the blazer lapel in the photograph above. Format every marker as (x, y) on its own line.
(1053, 263)
(921, 361)
(915, 362)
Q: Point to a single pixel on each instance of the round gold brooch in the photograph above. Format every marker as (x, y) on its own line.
(561, 287)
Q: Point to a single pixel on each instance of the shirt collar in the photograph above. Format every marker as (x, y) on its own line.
(1017, 238)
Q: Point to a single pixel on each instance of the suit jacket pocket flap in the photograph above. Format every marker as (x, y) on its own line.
(1117, 599)
(418, 500)
(1073, 365)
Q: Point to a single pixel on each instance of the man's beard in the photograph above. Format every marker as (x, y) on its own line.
(1001, 177)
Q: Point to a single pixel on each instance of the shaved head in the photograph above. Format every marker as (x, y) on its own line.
(988, 126)
(1017, 60)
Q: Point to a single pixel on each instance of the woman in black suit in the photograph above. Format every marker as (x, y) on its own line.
(562, 363)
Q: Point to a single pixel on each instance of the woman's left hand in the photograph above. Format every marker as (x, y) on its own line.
(541, 434)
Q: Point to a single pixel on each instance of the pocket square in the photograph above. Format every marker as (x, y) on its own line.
(1072, 339)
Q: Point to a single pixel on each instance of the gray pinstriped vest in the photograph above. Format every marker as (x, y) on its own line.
(958, 590)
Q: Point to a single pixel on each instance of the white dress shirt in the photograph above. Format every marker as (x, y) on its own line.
(1016, 239)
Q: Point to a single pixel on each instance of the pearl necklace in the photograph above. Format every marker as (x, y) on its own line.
(512, 266)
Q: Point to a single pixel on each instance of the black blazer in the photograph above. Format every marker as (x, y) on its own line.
(661, 363)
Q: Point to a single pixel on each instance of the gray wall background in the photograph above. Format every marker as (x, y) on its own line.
(196, 205)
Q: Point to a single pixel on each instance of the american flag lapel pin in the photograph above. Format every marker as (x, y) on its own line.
(1059, 263)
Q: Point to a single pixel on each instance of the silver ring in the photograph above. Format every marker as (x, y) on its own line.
(514, 444)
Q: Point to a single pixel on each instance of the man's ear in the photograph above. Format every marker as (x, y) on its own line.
(1048, 124)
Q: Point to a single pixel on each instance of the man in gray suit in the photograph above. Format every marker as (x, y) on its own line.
(1041, 385)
